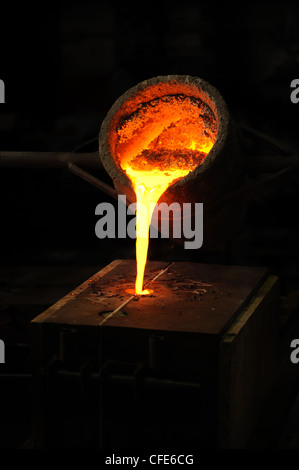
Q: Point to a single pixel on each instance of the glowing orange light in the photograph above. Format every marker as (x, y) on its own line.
(148, 186)
(159, 144)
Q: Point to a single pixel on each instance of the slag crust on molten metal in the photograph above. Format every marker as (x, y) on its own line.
(162, 132)
(163, 160)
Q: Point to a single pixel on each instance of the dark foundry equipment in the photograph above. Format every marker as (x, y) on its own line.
(221, 182)
(221, 168)
(221, 171)
(190, 365)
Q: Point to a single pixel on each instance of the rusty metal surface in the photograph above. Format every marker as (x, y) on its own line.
(187, 297)
(193, 297)
(100, 294)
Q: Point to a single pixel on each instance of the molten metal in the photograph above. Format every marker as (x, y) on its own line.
(158, 144)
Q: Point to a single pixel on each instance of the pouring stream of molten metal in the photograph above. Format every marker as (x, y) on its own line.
(161, 144)
(148, 186)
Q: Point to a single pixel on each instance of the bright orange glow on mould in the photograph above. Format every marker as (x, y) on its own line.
(159, 144)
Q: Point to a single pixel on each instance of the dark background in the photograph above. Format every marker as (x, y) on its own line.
(63, 66)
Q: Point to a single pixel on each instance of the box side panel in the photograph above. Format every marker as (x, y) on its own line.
(248, 365)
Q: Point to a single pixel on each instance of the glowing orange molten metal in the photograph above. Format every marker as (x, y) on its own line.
(159, 144)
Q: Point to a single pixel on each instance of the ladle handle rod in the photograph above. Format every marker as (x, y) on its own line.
(54, 160)
(92, 180)
(271, 163)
